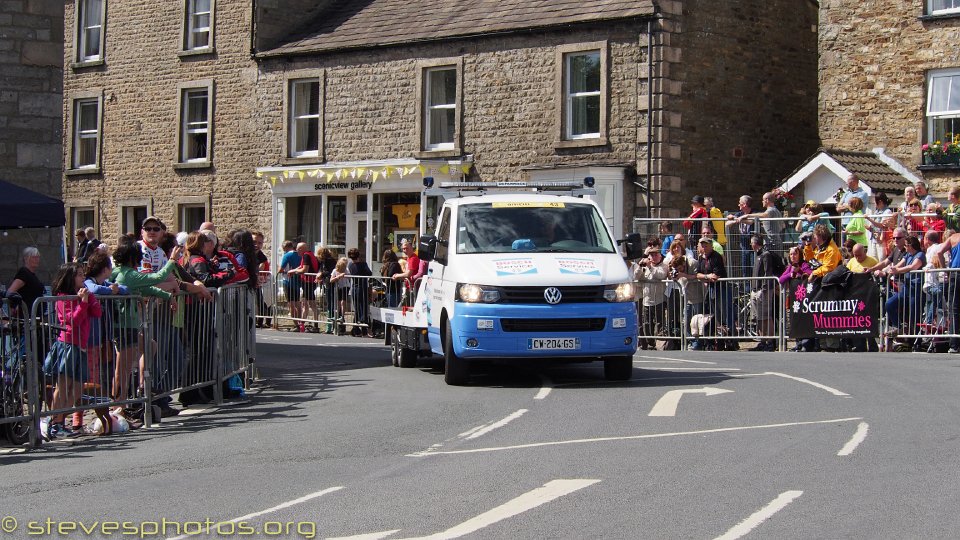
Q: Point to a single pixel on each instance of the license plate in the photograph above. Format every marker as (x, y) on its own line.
(555, 344)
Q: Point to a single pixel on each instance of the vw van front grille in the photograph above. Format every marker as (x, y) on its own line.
(534, 295)
(553, 325)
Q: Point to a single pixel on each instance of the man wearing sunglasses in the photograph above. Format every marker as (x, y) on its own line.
(151, 232)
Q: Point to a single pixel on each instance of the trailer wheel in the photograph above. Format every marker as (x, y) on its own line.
(618, 368)
(402, 356)
(456, 370)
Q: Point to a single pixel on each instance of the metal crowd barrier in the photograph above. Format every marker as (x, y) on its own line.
(138, 351)
(18, 374)
(690, 314)
(921, 309)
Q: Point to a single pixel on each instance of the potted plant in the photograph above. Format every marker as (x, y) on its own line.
(944, 152)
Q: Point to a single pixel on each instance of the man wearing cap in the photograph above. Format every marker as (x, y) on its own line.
(709, 269)
(651, 272)
(699, 212)
(151, 231)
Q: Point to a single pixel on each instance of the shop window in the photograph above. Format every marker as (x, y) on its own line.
(198, 26)
(195, 134)
(91, 16)
(943, 104)
(582, 94)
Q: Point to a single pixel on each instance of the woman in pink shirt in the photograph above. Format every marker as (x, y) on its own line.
(66, 363)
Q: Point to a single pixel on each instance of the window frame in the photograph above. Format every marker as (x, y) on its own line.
(185, 202)
(949, 12)
(429, 108)
(80, 59)
(73, 125)
(424, 68)
(186, 46)
(125, 206)
(562, 136)
(296, 77)
(928, 117)
(183, 91)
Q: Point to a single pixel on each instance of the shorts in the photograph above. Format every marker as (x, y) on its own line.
(292, 290)
(126, 338)
(66, 360)
(309, 291)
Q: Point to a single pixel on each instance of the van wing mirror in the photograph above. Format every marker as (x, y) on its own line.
(428, 247)
(633, 246)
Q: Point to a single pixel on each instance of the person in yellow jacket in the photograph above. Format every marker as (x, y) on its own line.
(821, 253)
(719, 223)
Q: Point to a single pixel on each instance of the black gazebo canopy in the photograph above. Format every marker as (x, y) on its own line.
(21, 208)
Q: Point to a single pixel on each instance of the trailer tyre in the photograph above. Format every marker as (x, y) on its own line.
(456, 370)
(618, 368)
(402, 356)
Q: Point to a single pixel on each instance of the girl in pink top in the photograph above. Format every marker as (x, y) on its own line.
(66, 363)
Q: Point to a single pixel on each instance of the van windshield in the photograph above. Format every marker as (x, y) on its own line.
(554, 227)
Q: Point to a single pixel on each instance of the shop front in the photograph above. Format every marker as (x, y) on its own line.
(370, 205)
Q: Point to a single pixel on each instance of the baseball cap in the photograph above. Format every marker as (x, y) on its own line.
(705, 240)
(811, 202)
(154, 219)
(651, 250)
(697, 199)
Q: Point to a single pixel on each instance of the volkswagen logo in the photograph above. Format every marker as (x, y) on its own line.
(552, 295)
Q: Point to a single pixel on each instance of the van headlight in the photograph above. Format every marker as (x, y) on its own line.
(485, 294)
(624, 292)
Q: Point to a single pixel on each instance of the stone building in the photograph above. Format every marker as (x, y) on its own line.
(326, 131)
(31, 52)
(890, 79)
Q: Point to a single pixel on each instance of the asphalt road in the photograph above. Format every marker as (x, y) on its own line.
(335, 442)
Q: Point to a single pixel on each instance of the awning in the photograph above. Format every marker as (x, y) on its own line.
(21, 208)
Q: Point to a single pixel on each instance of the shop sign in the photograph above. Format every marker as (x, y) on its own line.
(355, 185)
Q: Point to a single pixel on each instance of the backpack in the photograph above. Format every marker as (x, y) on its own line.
(777, 264)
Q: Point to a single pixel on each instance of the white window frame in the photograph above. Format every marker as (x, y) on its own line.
(954, 86)
(429, 108)
(948, 11)
(570, 97)
(75, 133)
(80, 134)
(191, 203)
(295, 119)
(191, 30)
(185, 129)
(83, 24)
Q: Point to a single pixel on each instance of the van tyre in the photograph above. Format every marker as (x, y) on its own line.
(618, 368)
(456, 370)
(402, 356)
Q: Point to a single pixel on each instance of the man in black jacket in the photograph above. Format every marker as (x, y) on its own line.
(763, 296)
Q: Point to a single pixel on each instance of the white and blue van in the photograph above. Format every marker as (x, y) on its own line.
(531, 273)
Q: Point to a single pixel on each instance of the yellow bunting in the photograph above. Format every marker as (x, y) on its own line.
(259, 174)
(330, 176)
(301, 174)
(273, 180)
(361, 171)
(388, 171)
(314, 173)
(423, 170)
(339, 174)
(465, 169)
(445, 169)
(376, 174)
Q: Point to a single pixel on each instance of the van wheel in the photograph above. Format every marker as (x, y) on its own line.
(456, 370)
(618, 368)
(402, 356)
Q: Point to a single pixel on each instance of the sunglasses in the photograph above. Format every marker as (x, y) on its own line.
(152, 229)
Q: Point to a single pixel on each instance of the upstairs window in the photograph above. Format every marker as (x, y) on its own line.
(304, 121)
(582, 95)
(943, 104)
(86, 133)
(199, 25)
(440, 108)
(90, 21)
(943, 7)
(195, 116)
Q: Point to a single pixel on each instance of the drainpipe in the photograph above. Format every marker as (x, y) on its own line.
(649, 113)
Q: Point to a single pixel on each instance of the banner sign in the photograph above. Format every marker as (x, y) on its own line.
(848, 310)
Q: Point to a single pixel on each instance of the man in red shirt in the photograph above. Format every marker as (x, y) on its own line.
(413, 264)
(699, 212)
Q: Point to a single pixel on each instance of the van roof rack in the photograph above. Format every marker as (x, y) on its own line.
(558, 187)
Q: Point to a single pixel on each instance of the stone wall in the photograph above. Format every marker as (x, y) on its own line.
(874, 57)
(31, 59)
(139, 81)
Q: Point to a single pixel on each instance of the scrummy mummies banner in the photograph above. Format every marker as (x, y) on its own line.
(850, 310)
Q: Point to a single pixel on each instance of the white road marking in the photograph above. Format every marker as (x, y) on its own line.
(487, 429)
(761, 515)
(288, 504)
(667, 405)
(692, 369)
(528, 501)
(667, 359)
(369, 536)
(545, 387)
(854, 442)
(833, 391)
(632, 437)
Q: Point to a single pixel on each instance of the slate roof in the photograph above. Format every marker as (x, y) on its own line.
(868, 167)
(357, 24)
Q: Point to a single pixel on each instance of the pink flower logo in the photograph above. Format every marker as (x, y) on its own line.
(801, 292)
(861, 306)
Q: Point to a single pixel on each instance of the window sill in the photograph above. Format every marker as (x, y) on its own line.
(939, 167)
(434, 154)
(196, 52)
(86, 64)
(82, 172)
(938, 17)
(192, 165)
(305, 160)
(580, 143)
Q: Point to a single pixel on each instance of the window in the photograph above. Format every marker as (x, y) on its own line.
(943, 104)
(85, 134)
(440, 108)
(191, 216)
(90, 20)
(582, 95)
(198, 27)
(131, 217)
(304, 121)
(580, 89)
(195, 118)
(944, 7)
(82, 217)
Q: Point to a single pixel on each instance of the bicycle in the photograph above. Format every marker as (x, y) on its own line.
(13, 385)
